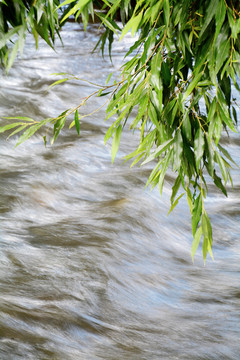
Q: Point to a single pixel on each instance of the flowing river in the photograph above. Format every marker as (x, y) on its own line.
(91, 266)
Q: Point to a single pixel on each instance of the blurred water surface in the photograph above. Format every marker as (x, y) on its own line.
(91, 267)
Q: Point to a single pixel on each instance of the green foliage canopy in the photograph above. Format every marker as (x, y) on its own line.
(182, 69)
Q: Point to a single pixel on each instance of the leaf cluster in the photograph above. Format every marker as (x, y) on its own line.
(17, 17)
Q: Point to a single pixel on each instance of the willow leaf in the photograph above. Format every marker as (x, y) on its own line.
(116, 141)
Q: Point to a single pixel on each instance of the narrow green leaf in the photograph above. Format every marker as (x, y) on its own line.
(198, 147)
(218, 182)
(189, 199)
(222, 166)
(153, 116)
(108, 78)
(164, 168)
(166, 12)
(186, 127)
(207, 235)
(132, 24)
(66, 2)
(160, 149)
(76, 120)
(20, 128)
(153, 172)
(196, 213)
(211, 111)
(178, 149)
(175, 203)
(226, 153)
(9, 126)
(58, 127)
(210, 155)
(175, 188)
(191, 86)
(211, 10)
(116, 141)
(31, 131)
(79, 6)
(24, 118)
(110, 24)
(224, 51)
(196, 240)
(219, 17)
(12, 56)
(206, 226)
(58, 82)
(205, 248)
(226, 118)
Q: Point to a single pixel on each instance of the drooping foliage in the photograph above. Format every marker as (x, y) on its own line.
(19, 16)
(182, 69)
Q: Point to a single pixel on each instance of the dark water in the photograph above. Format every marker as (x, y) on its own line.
(91, 267)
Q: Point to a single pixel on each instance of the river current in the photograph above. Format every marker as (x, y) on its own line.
(91, 266)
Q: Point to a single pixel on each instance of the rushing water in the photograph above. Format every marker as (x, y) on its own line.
(91, 267)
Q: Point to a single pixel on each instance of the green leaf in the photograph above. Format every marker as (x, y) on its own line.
(219, 16)
(133, 24)
(207, 235)
(226, 153)
(225, 117)
(116, 141)
(20, 128)
(164, 168)
(222, 166)
(205, 248)
(79, 6)
(218, 182)
(110, 24)
(192, 86)
(211, 10)
(224, 51)
(12, 56)
(66, 2)
(154, 117)
(175, 188)
(178, 149)
(206, 226)
(189, 199)
(58, 127)
(196, 213)
(196, 240)
(175, 203)
(198, 147)
(211, 112)
(160, 149)
(58, 82)
(166, 12)
(31, 131)
(108, 78)
(24, 118)
(186, 127)
(155, 10)
(9, 126)
(76, 120)
(210, 155)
